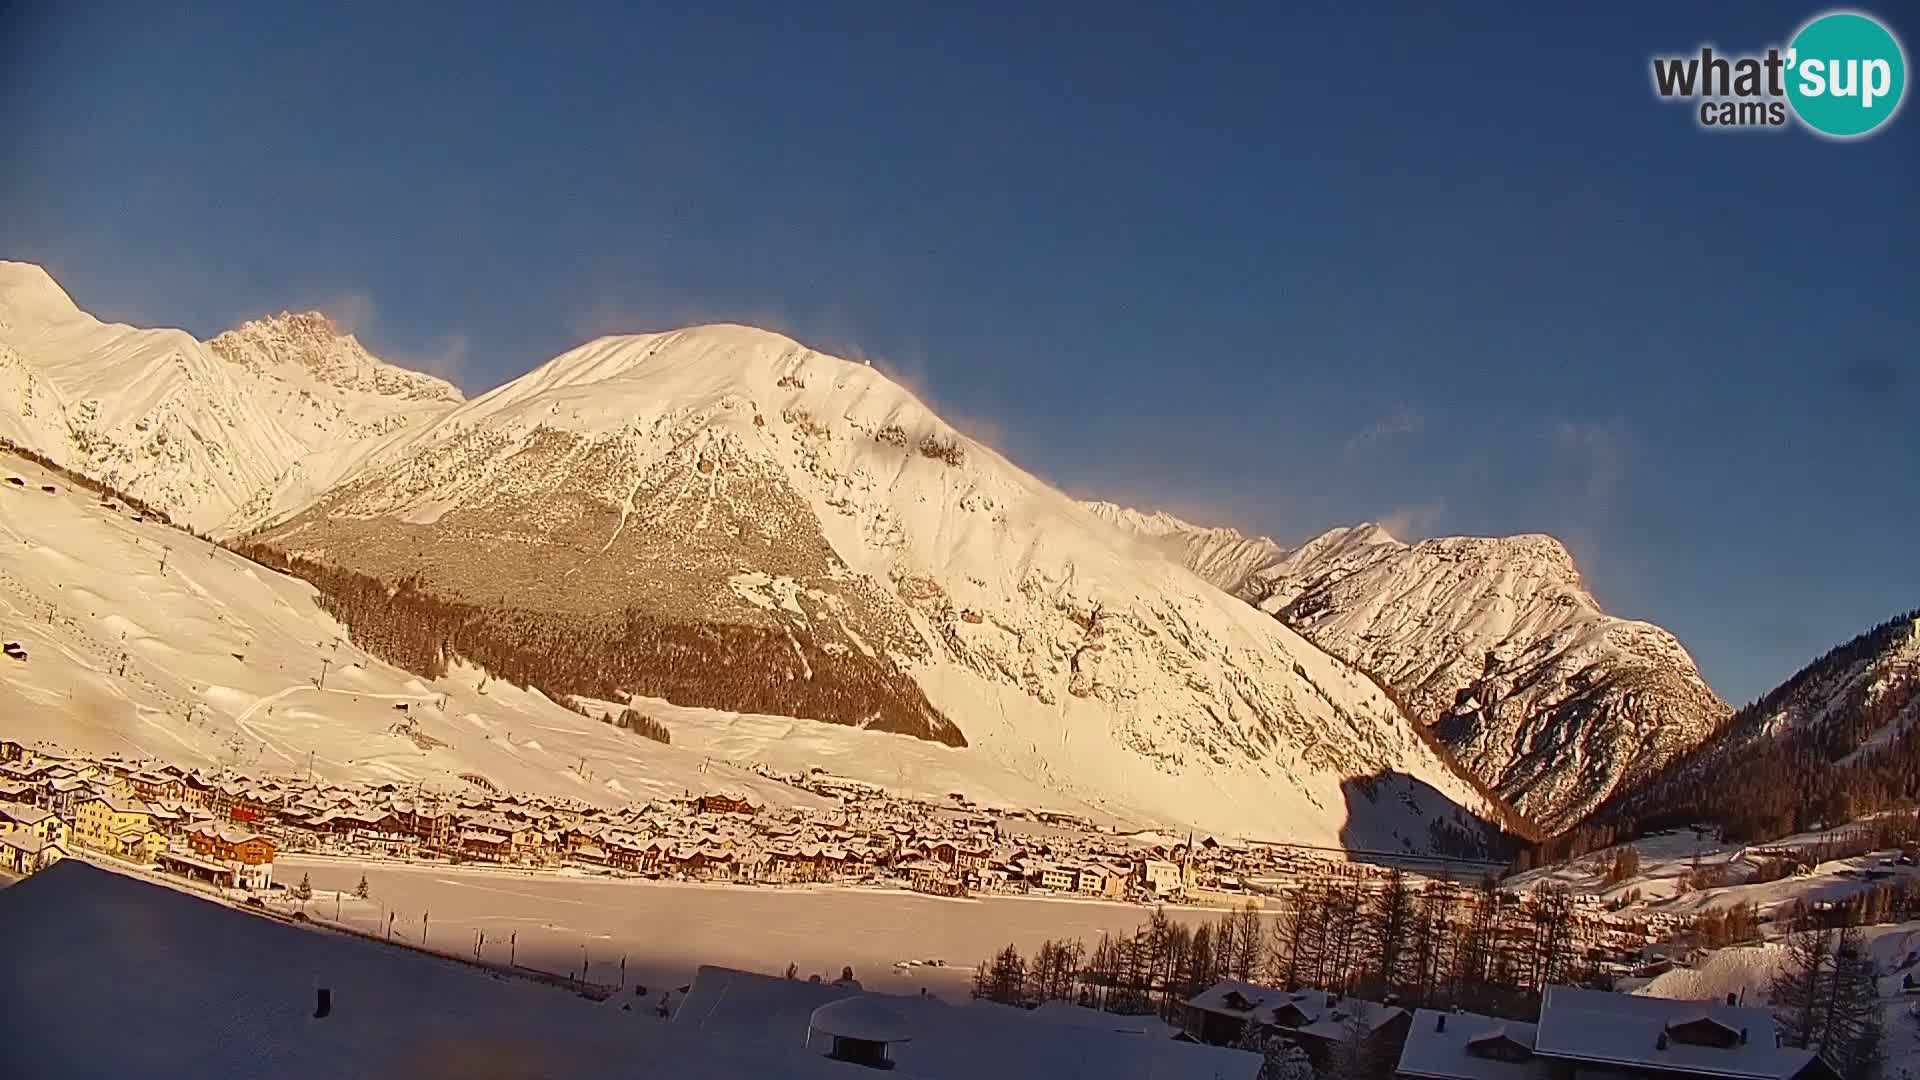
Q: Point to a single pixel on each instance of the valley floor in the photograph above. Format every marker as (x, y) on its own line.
(664, 930)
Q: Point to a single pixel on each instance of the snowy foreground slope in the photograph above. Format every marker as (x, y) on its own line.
(1493, 641)
(196, 428)
(729, 477)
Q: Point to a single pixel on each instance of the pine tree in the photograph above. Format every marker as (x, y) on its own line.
(304, 890)
(1245, 962)
(1803, 986)
(1479, 946)
(1347, 936)
(361, 891)
(1290, 948)
(1550, 909)
(1430, 945)
(1853, 1036)
(1002, 979)
(1392, 926)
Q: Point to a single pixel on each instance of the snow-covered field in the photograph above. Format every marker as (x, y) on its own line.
(665, 930)
(215, 661)
(1667, 859)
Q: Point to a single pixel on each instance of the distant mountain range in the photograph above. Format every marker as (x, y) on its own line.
(1493, 642)
(722, 517)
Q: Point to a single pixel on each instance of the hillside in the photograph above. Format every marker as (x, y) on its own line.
(215, 661)
(1838, 740)
(1495, 643)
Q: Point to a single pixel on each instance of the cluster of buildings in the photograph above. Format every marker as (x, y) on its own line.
(53, 804)
(1578, 1033)
(226, 827)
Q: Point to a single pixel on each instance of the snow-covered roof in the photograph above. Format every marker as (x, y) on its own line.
(1599, 1026)
(120, 804)
(24, 814)
(1313, 1013)
(952, 1042)
(25, 841)
(1435, 1054)
(864, 1017)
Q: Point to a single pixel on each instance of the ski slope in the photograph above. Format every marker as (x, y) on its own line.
(217, 661)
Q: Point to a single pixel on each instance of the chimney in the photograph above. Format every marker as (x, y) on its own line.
(1440, 1023)
(324, 1003)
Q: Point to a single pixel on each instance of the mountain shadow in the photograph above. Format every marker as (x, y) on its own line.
(1398, 819)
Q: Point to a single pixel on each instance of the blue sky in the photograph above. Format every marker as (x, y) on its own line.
(1454, 270)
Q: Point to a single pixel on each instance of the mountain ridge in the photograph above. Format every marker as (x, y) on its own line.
(1838, 739)
(1495, 643)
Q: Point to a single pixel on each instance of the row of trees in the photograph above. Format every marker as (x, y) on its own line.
(613, 657)
(1439, 945)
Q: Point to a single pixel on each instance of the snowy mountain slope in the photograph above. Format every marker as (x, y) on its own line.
(198, 429)
(214, 661)
(1495, 643)
(1837, 740)
(778, 530)
(1861, 697)
(333, 385)
(1225, 557)
(150, 411)
(339, 400)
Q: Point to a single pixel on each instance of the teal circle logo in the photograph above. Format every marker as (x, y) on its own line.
(1845, 74)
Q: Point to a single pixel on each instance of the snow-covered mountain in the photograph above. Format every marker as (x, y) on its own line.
(722, 517)
(197, 428)
(1495, 643)
(1839, 739)
(1224, 556)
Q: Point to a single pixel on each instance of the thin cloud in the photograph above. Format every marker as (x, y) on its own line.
(1400, 420)
(445, 357)
(1870, 376)
(1592, 457)
(1414, 522)
(352, 312)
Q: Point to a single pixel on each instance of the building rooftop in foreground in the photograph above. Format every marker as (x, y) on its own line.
(196, 988)
(951, 1042)
(1662, 1035)
(1469, 1046)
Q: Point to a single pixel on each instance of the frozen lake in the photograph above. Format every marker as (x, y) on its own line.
(665, 930)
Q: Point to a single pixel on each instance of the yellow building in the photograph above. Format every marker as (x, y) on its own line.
(118, 825)
(37, 821)
(23, 853)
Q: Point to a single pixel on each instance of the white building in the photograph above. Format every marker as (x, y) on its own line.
(1160, 877)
